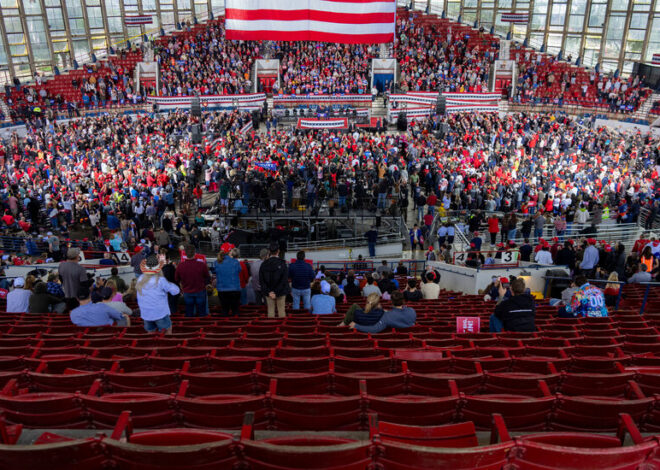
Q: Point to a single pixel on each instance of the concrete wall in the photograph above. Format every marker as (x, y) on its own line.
(470, 280)
(386, 250)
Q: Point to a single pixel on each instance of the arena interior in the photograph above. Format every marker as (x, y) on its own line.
(330, 234)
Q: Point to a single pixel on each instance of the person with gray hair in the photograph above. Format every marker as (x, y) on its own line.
(73, 275)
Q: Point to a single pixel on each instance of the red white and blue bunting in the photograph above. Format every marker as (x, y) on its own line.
(323, 123)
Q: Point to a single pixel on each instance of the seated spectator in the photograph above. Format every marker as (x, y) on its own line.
(371, 287)
(94, 314)
(53, 286)
(119, 282)
(116, 296)
(107, 260)
(401, 270)
(641, 275)
(368, 316)
(18, 300)
(587, 301)
(43, 302)
(430, 290)
(383, 268)
(499, 291)
(399, 317)
(412, 293)
(516, 313)
(566, 295)
(107, 295)
(323, 303)
(351, 285)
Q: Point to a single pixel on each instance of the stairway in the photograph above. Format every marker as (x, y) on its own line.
(5, 111)
(642, 112)
(503, 106)
(379, 108)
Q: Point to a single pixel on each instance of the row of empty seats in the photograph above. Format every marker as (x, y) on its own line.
(389, 446)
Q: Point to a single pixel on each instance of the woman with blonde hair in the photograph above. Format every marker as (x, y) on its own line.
(152, 289)
(369, 315)
(228, 282)
(612, 289)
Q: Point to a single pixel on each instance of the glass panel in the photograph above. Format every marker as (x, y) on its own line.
(469, 16)
(168, 18)
(628, 67)
(597, 16)
(505, 3)
(620, 5)
(453, 9)
(9, 3)
(592, 42)
(636, 35)
(112, 9)
(73, 9)
(18, 38)
(538, 21)
(115, 25)
(32, 7)
(60, 46)
(639, 20)
(94, 17)
(572, 45)
(486, 6)
(641, 7)
(612, 48)
(558, 15)
(18, 50)
(576, 23)
(53, 3)
(55, 20)
(579, 7)
(470, 4)
(81, 51)
(13, 25)
(609, 66)
(655, 30)
(98, 44)
(38, 40)
(92, 2)
(541, 6)
(77, 26)
(183, 4)
(615, 27)
(519, 31)
(554, 43)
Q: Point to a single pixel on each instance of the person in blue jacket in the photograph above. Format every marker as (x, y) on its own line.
(301, 274)
(227, 273)
(400, 316)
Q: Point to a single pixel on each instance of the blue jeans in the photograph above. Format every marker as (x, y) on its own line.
(195, 303)
(382, 199)
(342, 201)
(372, 249)
(512, 234)
(538, 233)
(495, 324)
(304, 294)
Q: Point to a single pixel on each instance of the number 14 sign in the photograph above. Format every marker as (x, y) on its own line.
(468, 324)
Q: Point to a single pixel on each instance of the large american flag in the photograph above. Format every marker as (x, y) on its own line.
(340, 21)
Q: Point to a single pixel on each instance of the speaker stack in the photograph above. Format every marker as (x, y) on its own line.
(195, 107)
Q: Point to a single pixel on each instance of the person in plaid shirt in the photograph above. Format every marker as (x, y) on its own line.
(587, 301)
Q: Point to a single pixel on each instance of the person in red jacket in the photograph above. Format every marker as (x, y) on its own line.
(493, 228)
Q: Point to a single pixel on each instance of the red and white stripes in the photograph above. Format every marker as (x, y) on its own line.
(340, 21)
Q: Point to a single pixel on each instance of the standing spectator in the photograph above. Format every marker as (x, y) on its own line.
(273, 279)
(517, 313)
(18, 300)
(372, 238)
(169, 272)
(73, 275)
(371, 287)
(641, 275)
(493, 228)
(590, 258)
(254, 276)
(228, 282)
(193, 275)
(152, 291)
(301, 275)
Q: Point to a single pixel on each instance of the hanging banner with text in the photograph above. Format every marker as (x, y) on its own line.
(249, 102)
(323, 123)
